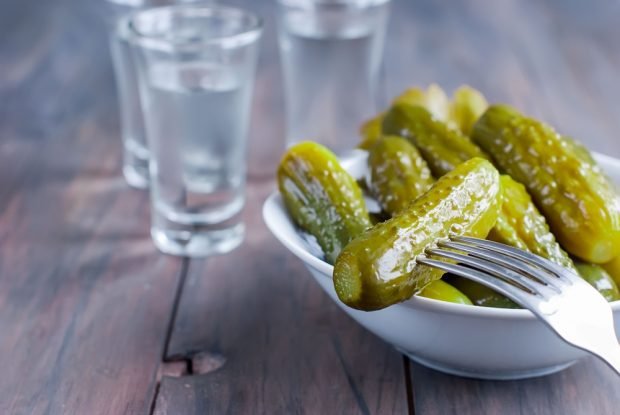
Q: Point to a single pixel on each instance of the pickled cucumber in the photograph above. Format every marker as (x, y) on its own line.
(613, 269)
(460, 113)
(397, 173)
(597, 277)
(378, 268)
(442, 291)
(521, 225)
(479, 294)
(578, 201)
(371, 132)
(321, 197)
(434, 99)
(467, 106)
(443, 148)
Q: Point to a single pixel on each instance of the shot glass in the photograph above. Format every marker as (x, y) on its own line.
(196, 67)
(135, 149)
(331, 53)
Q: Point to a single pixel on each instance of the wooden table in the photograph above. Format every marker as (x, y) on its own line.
(93, 320)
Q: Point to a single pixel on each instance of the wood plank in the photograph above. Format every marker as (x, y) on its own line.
(588, 387)
(85, 299)
(272, 340)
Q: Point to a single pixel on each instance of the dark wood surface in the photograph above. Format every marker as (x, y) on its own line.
(94, 321)
(85, 300)
(287, 347)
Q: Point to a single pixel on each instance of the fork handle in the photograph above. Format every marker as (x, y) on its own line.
(611, 356)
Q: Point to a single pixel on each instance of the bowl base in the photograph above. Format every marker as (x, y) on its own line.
(487, 375)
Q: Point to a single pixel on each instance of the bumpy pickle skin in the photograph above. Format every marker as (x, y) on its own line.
(580, 204)
(321, 197)
(397, 173)
(613, 269)
(442, 147)
(378, 268)
(521, 225)
(466, 107)
(597, 277)
(442, 291)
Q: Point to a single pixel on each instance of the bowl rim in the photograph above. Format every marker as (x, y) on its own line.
(274, 206)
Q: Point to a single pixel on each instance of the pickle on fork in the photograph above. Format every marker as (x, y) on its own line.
(378, 268)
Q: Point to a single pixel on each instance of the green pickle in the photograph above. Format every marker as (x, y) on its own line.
(321, 197)
(378, 268)
(613, 269)
(434, 99)
(597, 277)
(467, 106)
(371, 132)
(397, 173)
(442, 147)
(521, 225)
(479, 294)
(581, 206)
(442, 291)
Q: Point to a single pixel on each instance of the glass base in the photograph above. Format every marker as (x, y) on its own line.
(136, 177)
(135, 168)
(199, 243)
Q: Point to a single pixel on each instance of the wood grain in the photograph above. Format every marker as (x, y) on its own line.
(276, 343)
(586, 388)
(85, 299)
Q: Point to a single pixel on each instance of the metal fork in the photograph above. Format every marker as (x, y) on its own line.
(572, 308)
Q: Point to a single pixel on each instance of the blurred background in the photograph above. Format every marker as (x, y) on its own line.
(558, 60)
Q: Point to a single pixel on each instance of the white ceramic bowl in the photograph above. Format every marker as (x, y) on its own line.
(478, 342)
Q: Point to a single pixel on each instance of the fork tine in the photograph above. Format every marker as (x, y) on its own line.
(496, 270)
(557, 270)
(507, 261)
(514, 293)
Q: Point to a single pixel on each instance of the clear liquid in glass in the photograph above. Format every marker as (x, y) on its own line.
(198, 149)
(135, 150)
(331, 62)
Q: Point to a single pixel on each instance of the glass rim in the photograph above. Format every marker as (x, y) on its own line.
(317, 4)
(248, 34)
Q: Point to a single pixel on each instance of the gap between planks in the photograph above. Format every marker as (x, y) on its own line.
(409, 385)
(172, 367)
(182, 365)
